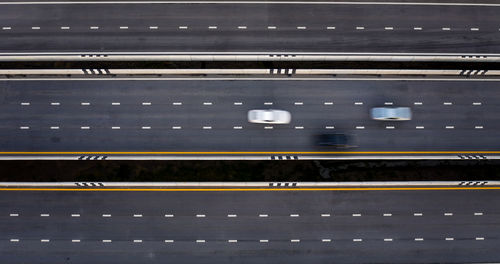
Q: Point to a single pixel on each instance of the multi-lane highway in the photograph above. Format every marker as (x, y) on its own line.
(209, 116)
(117, 26)
(351, 225)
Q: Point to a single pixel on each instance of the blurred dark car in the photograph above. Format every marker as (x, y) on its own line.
(337, 140)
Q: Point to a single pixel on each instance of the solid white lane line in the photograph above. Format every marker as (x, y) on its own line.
(298, 103)
(360, 28)
(446, 28)
(447, 103)
(44, 240)
(44, 215)
(146, 103)
(357, 240)
(474, 29)
(387, 239)
(478, 214)
(146, 127)
(115, 127)
(35, 28)
(212, 27)
(14, 215)
(25, 103)
(85, 103)
(294, 215)
(419, 127)
(479, 238)
(389, 127)
(301, 27)
(137, 240)
(153, 27)
(55, 103)
(200, 215)
(448, 214)
(358, 103)
(237, 127)
(137, 215)
(183, 27)
(207, 127)
(476, 103)
(268, 103)
(169, 241)
(387, 214)
(85, 127)
(200, 241)
(177, 103)
(417, 28)
(75, 240)
(418, 103)
(176, 127)
(449, 239)
(75, 215)
(356, 215)
(264, 241)
(232, 241)
(331, 28)
(238, 103)
(207, 103)
(94, 27)
(360, 127)
(123, 27)
(169, 215)
(54, 127)
(263, 215)
(449, 127)
(328, 103)
(418, 214)
(268, 127)
(419, 239)
(326, 240)
(232, 215)
(106, 241)
(388, 28)
(325, 215)
(295, 240)
(299, 127)
(24, 127)
(106, 215)
(115, 103)
(329, 127)
(14, 240)
(271, 27)
(242, 27)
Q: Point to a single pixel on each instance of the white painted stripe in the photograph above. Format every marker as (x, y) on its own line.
(200, 215)
(169, 215)
(232, 215)
(479, 238)
(137, 215)
(75, 215)
(94, 27)
(449, 127)
(183, 27)
(357, 240)
(25, 103)
(294, 215)
(419, 239)
(298, 103)
(14, 240)
(360, 28)
(418, 103)
(263, 215)
(24, 127)
(389, 127)
(169, 241)
(360, 127)
(146, 103)
(176, 127)
(325, 215)
(85, 103)
(476, 103)
(146, 127)
(212, 27)
(55, 103)
(238, 103)
(388, 103)
(388, 28)
(295, 240)
(387, 239)
(65, 28)
(478, 214)
(299, 127)
(326, 240)
(200, 241)
(474, 29)
(207, 127)
(115, 103)
(331, 28)
(448, 214)
(106, 215)
(449, 239)
(387, 214)
(329, 127)
(207, 103)
(54, 127)
(268, 127)
(153, 27)
(418, 214)
(123, 27)
(35, 28)
(14, 215)
(264, 241)
(355, 215)
(6, 28)
(358, 103)
(75, 240)
(328, 103)
(237, 127)
(177, 103)
(417, 28)
(242, 27)
(85, 127)
(106, 241)
(115, 127)
(447, 103)
(137, 240)
(419, 127)
(44, 215)
(446, 28)
(271, 27)
(268, 103)
(44, 240)
(301, 27)
(232, 241)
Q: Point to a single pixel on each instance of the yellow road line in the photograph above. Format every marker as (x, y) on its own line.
(234, 152)
(250, 189)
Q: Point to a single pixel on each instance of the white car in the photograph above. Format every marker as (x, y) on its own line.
(269, 116)
(391, 113)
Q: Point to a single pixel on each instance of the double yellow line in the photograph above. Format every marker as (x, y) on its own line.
(470, 188)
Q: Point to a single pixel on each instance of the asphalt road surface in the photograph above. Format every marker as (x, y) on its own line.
(249, 27)
(415, 226)
(204, 115)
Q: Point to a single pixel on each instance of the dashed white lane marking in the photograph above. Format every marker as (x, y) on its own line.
(75, 215)
(207, 127)
(263, 215)
(115, 127)
(6, 28)
(207, 103)
(183, 27)
(389, 28)
(326, 240)
(44, 215)
(94, 28)
(358, 103)
(238, 103)
(360, 28)
(212, 27)
(146, 127)
(264, 241)
(14, 240)
(388, 103)
(299, 127)
(294, 215)
(387, 214)
(85, 127)
(85, 103)
(232, 215)
(268, 103)
(242, 27)
(479, 238)
(45, 240)
(449, 239)
(474, 29)
(329, 127)
(417, 28)
(298, 103)
(24, 127)
(478, 214)
(14, 215)
(237, 127)
(123, 27)
(65, 28)
(177, 103)
(447, 103)
(54, 127)
(271, 27)
(328, 103)
(301, 27)
(146, 103)
(418, 214)
(295, 240)
(360, 127)
(106, 215)
(356, 215)
(418, 103)
(449, 127)
(169, 215)
(35, 28)
(387, 239)
(357, 240)
(419, 239)
(448, 214)
(106, 241)
(330, 28)
(389, 127)
(446, 28)
(25, 103)
(169, 241)
(325, 215)
(232, 241)
(476, 103)
(137, 215)
(153, 27)
(176, 127)
(200, 241)
(55, 103)
(268, 127)
(137, 240)
(75, 240)
(200, 215)
(115, 103)
(419, 127)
